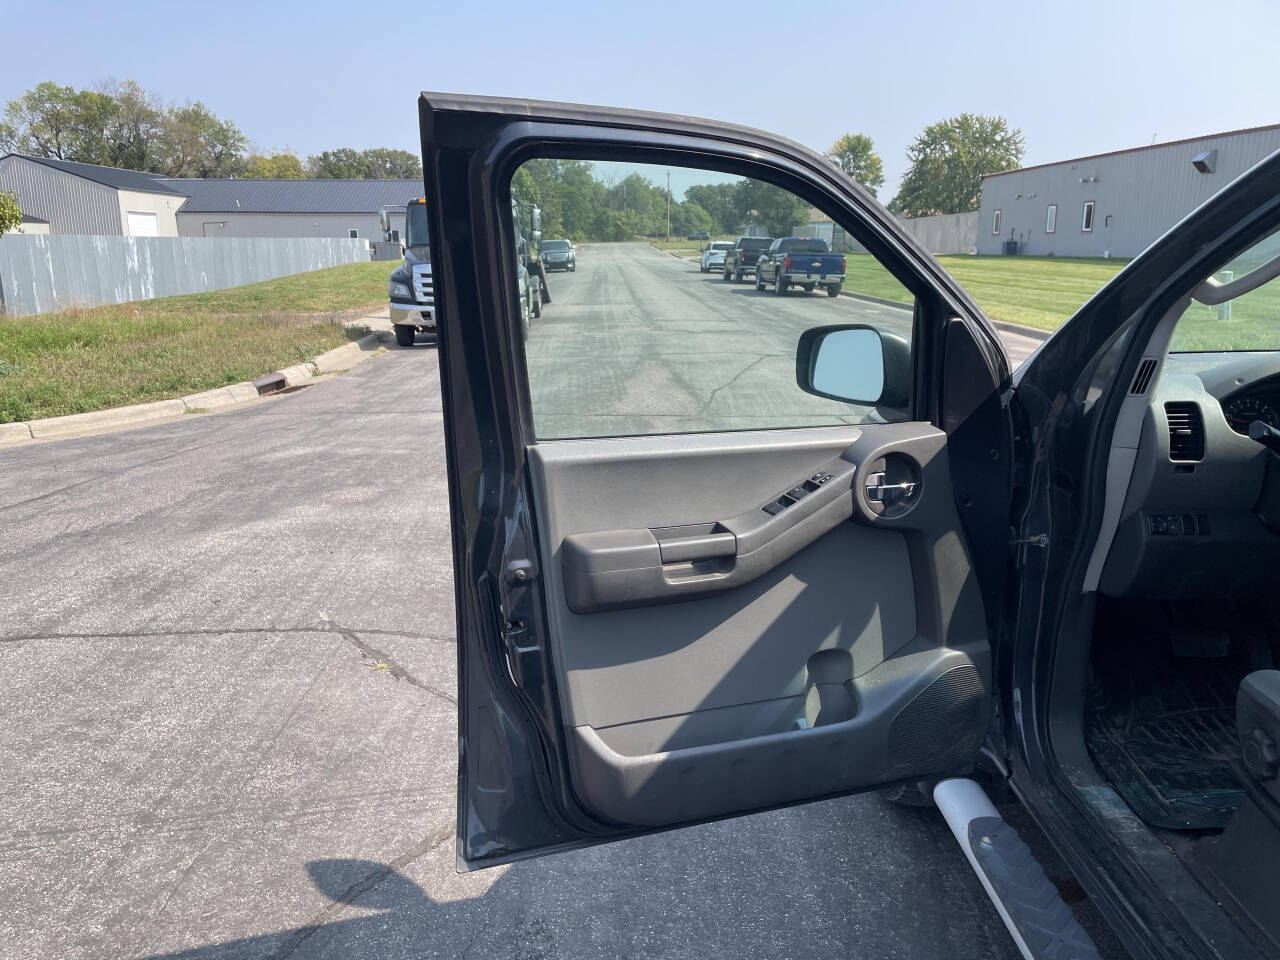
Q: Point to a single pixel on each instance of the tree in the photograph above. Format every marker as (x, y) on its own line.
(382, 163)
(135, 130)
(377, 163)
(341, 164)
(855, 154)
(60, 122)
(779, 210)
(720, 201)
(10, 215)
(276, 166)
(197, 144)
(948, 160)
(687, 218)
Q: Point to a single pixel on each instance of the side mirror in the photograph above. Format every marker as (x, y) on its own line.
(855, 363)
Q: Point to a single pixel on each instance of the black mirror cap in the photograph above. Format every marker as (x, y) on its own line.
(895, 349)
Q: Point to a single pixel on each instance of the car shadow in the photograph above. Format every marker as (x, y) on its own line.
(421, 340)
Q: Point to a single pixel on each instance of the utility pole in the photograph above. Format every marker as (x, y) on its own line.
(668, 206)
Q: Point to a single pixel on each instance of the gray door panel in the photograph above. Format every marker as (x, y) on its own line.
(860, 650)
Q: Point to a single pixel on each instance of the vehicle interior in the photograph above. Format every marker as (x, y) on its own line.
(1182, 699)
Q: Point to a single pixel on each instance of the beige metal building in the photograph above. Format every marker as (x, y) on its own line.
(80, 198)
(291, 208)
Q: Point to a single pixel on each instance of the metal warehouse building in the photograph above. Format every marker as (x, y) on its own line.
(67, 197)
(1112, 204)
(290, 208)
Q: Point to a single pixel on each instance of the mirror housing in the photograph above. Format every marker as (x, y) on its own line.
(855, 363)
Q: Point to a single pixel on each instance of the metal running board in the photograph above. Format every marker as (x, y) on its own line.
(1040, 923)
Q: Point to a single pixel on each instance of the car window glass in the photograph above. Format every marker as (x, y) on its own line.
(639, 340)
(1250, 321)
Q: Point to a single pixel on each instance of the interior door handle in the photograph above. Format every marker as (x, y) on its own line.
(695, 542)
(880, 492)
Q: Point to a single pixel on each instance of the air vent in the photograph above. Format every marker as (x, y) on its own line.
(1186, 431)
(1142, 379)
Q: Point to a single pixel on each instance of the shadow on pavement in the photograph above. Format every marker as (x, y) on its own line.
(406, 916)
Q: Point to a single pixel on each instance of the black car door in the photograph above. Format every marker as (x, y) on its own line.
(714, 551)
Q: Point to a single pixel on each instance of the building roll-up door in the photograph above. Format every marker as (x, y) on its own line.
(142, 224)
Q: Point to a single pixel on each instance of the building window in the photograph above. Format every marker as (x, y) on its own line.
(1087, 223)
(1051, 218)
(353, 233)
(995, 223)
(395, 235)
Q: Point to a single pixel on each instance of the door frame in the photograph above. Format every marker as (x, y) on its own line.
(1157, 907)
(480, 142)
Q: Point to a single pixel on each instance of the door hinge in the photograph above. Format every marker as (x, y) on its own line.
(1039, 540)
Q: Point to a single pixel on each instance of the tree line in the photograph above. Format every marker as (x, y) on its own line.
(947, 161)
(580, 205)
(122, 125)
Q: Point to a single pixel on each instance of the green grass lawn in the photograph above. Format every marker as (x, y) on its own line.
(1252, 323)
(1037, 292)
(82, 360)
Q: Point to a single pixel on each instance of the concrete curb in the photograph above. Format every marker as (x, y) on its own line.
(332, 361)
(1034, 333)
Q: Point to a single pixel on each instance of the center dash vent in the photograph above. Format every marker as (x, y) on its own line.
(1186, 431)
(1142, 379)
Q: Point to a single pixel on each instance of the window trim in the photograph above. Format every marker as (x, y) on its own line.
(1086, 217)
(353, 233)
(996, 217)
(1051, 218)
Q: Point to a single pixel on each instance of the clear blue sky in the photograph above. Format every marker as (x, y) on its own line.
(1080, 77)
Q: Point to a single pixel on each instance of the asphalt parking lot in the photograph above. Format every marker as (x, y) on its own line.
(638, 341)
(227, 648)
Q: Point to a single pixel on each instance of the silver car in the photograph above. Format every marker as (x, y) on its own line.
(714, 255)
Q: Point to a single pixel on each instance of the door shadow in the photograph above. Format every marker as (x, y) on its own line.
(404, 920)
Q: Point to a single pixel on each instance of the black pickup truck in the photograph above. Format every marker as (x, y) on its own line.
(741, 260)
(805, 262)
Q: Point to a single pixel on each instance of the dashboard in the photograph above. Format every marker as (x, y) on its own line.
(1195, 516)
(1257, 402)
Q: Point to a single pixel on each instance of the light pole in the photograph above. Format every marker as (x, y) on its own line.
(668, 206)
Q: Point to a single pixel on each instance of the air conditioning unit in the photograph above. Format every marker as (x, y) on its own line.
(1011, 248)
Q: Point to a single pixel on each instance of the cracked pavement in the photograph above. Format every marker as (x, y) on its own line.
(226, 645)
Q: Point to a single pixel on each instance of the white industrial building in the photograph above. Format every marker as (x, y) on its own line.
(1112, 204)
(60, 196)
(64, 197)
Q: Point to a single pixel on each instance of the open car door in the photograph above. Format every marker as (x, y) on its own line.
(716, 548)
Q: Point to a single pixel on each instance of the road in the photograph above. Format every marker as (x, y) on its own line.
(638, 341)
(227, 650)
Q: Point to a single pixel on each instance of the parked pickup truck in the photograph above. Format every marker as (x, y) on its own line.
(741, 260)
(800, 262)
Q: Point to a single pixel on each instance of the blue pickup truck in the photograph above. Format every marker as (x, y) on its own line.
(805, 262)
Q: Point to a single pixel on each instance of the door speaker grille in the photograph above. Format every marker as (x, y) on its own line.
(943, 720)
